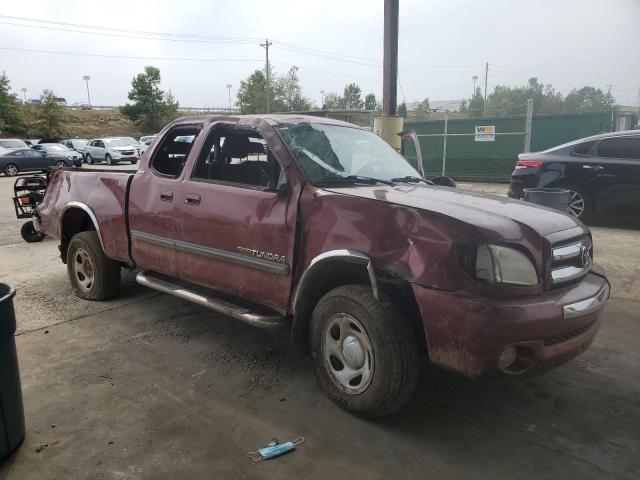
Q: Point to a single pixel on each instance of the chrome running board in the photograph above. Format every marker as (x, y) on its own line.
(153, 280)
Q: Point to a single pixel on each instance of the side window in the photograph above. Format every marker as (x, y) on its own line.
(37, 147)
(171, 155)
(100, 144)
(238, 156)
(19, 154)
(583, 148)
(35, 154)
(621, 147)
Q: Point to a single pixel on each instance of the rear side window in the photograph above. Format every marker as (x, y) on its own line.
(170, 156)
(621, 147)
(583, 148)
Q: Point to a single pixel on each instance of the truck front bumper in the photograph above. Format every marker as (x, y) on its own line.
(481, 336)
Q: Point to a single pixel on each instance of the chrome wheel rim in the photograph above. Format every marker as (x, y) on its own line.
(11, 170)
(61, 164)
(347, 353)
(83, 270)
(576, 204)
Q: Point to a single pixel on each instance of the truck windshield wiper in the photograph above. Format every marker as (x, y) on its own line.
(412, 179)
(356, 179)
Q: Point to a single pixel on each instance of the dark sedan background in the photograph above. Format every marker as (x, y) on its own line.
(602, 172)
(32, 160)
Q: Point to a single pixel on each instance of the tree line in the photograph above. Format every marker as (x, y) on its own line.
(151, 108)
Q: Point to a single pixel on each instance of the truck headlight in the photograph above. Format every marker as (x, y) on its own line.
(504, 265)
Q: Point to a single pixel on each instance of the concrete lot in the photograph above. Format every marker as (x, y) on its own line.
(148, 386)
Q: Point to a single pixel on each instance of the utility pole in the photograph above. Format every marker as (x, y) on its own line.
(86, 78)
(638, 105)
(24, 94)
(390, 55)
(609, 85)
(229, 88)
(486, 77)
(266, 46)
(475, 78)
(321, 99)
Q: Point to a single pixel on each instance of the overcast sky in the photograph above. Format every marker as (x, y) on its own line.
(442, 45)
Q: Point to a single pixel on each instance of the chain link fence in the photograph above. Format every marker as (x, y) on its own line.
(486, 149)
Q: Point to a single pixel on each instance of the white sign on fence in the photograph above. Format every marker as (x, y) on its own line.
(485, 133)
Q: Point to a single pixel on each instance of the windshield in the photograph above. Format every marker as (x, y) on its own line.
(12, 144)
(328, 153)
(54, 147)
(117, 142)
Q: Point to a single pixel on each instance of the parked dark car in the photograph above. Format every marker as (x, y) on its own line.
(59, 151)
(602, 172)
(32, 160)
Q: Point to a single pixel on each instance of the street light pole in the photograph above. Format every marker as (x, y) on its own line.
(321, 99)
(229, 88)
(475, 79)
(24, 94)
(86, 78)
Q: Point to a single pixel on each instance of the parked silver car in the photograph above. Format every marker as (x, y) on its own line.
(111, 150)
(11, 144)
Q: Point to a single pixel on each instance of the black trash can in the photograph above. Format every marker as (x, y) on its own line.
(557, 198)
(12, 427)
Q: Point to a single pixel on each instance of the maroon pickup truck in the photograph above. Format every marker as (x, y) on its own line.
(320, 229)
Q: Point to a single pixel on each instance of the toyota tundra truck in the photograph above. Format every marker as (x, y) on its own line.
(321, 231)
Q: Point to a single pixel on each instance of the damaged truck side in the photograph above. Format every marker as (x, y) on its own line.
(320, 230)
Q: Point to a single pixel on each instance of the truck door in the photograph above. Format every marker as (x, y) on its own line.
(154, 201)
(238, 212)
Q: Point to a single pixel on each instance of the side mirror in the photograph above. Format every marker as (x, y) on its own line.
(284, 190)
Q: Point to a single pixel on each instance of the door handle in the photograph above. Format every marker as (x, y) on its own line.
(166, 196)
(593, 167)
(192, 199)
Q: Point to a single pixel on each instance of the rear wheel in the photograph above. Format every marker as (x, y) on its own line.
(364, 353)
(93, 275)
(11, 170)
(61, 164)
(580, 202)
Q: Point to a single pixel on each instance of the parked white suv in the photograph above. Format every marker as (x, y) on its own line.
(110, 150)
(11, 144)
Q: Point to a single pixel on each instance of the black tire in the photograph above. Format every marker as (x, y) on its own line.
(105, 278)
(394, 352)
(11, 170)
(89, 159)
(61, 164)
(108, 159)
(29, 234)
(580, 198)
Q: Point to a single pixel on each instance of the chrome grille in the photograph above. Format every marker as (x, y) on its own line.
(571, 261)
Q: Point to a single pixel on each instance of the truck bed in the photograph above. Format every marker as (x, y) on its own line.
(101, 193)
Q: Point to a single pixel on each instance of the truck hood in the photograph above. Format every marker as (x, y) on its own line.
(489, 213)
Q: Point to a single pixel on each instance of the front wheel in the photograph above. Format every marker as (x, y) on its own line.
(88, 159)
(93, 275)
(60, 164)
(11, 170)
(108, 158)
(364, 353)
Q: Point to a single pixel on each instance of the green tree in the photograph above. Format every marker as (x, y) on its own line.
(9, 108)
(588, 99)
(152, 108)
(288, 92)
(370, 102)
(402, 109)
(351, 97)
(51, 116)
(333, 101)
(476, 104)
(423, 109)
